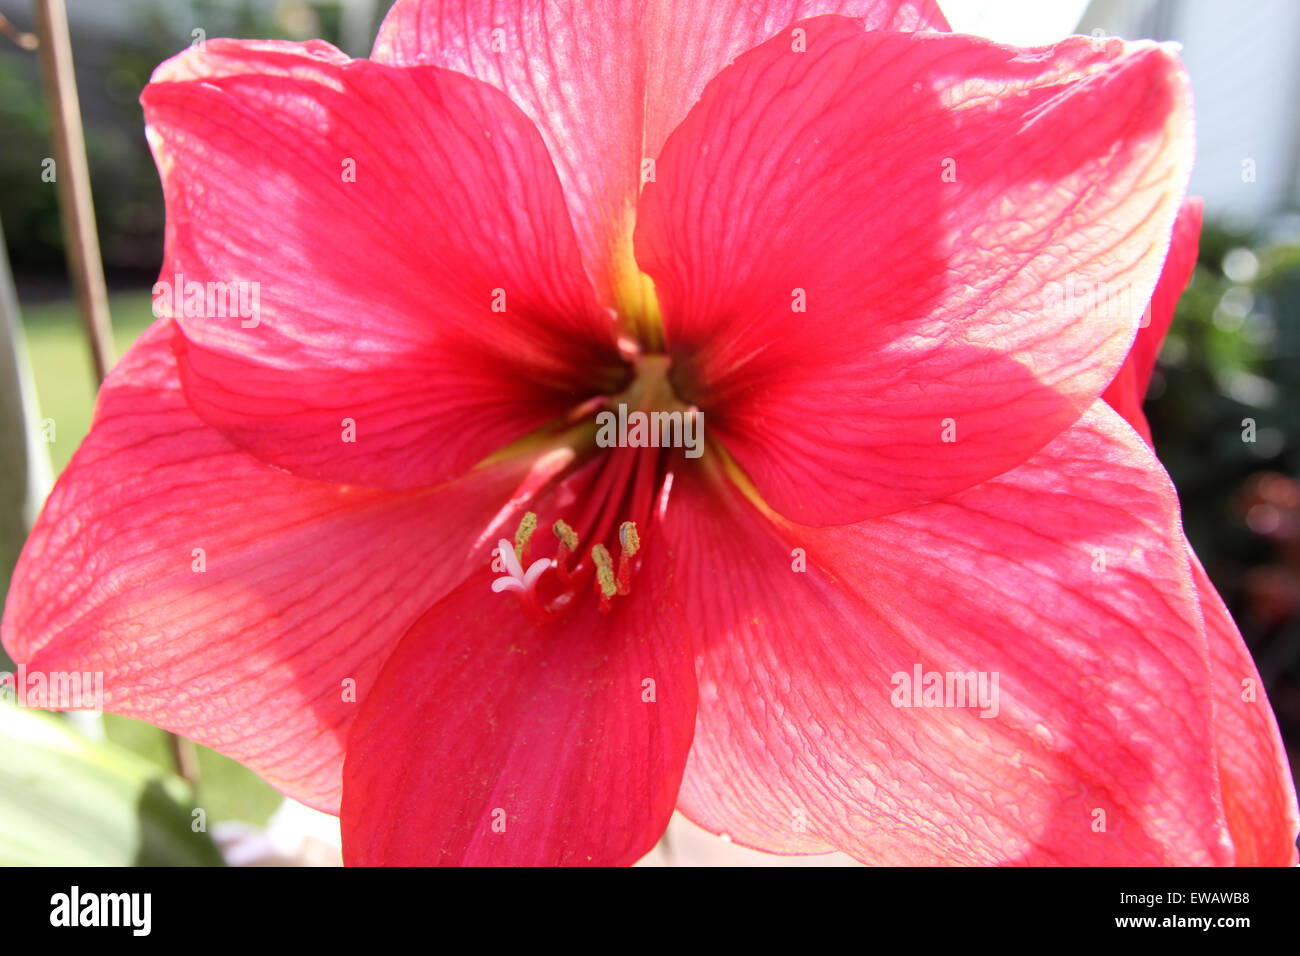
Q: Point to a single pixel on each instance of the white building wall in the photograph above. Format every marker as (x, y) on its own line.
(1244, 61)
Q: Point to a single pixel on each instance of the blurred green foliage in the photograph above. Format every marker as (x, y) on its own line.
(1228, 372)
(61, 365)
(69, 800)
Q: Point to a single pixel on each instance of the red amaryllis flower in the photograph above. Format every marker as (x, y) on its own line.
(842, 252)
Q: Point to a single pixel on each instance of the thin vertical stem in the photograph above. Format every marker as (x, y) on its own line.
(72, 179)
(185, 760)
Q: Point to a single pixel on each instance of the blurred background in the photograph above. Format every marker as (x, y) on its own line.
(84, 789)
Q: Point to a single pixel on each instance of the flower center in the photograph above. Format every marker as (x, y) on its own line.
(639, 432)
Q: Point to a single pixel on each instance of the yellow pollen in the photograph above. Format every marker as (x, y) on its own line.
(568, 537)
(604, 570)
(525, 531)
(628, 539)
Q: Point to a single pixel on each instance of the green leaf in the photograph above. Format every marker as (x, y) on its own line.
(69, 801)
(227, 790)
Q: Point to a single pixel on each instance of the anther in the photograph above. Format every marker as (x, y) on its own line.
(568, 545)
(568, 537)
(604, 574)
(527, 525)
(629, 543)
(628, 539)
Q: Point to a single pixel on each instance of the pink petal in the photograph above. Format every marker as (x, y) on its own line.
(930, 311)
(1127, 392)
(376, 319)
(480, 718)
(606, 83)
(1258, 793)
(305, 585)
(1103, 698)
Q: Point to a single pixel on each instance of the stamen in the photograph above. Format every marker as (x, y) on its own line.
(568, 546)
(527, 525)
(623, 481)
(568, 537)
(628, 539)
(630, 543)
(604, 574)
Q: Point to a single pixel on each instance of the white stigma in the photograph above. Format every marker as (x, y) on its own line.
(516, 579)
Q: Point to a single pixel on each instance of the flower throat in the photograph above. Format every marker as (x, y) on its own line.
(628, 486)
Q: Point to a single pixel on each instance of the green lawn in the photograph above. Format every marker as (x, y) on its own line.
(65, 389)
(61, 365)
